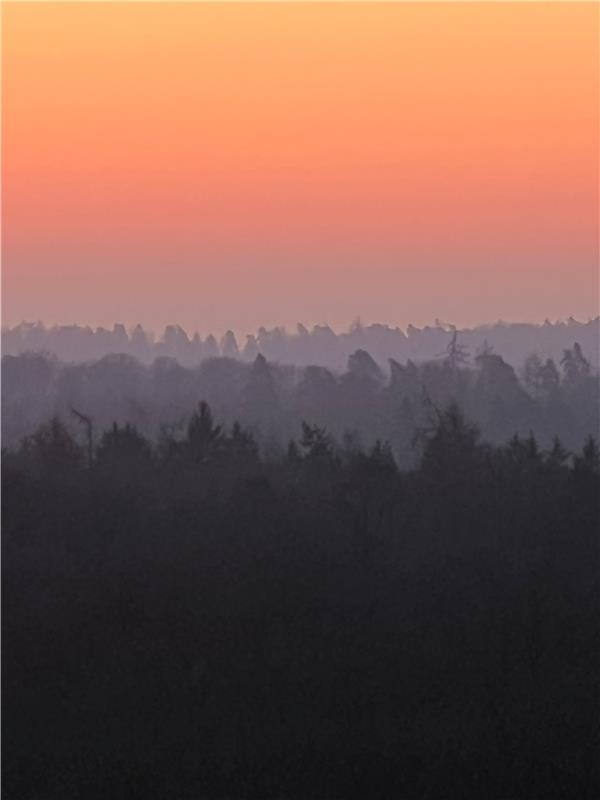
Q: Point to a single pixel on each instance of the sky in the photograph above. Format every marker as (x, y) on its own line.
(236, 165)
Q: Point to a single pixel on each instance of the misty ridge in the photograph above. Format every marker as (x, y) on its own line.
(369, 400)
(320, 346)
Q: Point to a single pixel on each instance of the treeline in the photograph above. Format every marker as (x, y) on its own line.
(544, 397)
(199, 618)
(320, 345)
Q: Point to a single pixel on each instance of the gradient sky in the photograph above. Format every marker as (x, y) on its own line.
(232, 165)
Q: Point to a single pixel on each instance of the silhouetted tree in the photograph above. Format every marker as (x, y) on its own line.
(204, 438)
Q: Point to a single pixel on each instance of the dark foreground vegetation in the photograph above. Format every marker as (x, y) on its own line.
(196, 619)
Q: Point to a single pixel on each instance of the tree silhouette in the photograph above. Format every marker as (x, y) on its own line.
(204, 438)
(456, 353)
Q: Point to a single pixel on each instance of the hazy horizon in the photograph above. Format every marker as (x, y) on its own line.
(291, 328)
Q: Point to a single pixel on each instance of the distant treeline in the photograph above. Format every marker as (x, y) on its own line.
(365, 402)
(193, 618)
(320, 346)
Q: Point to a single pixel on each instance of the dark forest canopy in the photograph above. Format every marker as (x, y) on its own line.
(393, 403)
(195, 618)
(320, 346)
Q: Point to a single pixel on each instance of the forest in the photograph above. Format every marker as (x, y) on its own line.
(301, 585)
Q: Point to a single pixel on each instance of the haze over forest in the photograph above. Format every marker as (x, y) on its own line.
(314, 585)
(307, 562)
(372, 382)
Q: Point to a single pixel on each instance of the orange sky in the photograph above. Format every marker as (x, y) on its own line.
(231, 165)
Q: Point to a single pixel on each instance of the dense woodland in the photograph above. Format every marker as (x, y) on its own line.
(197, 617)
